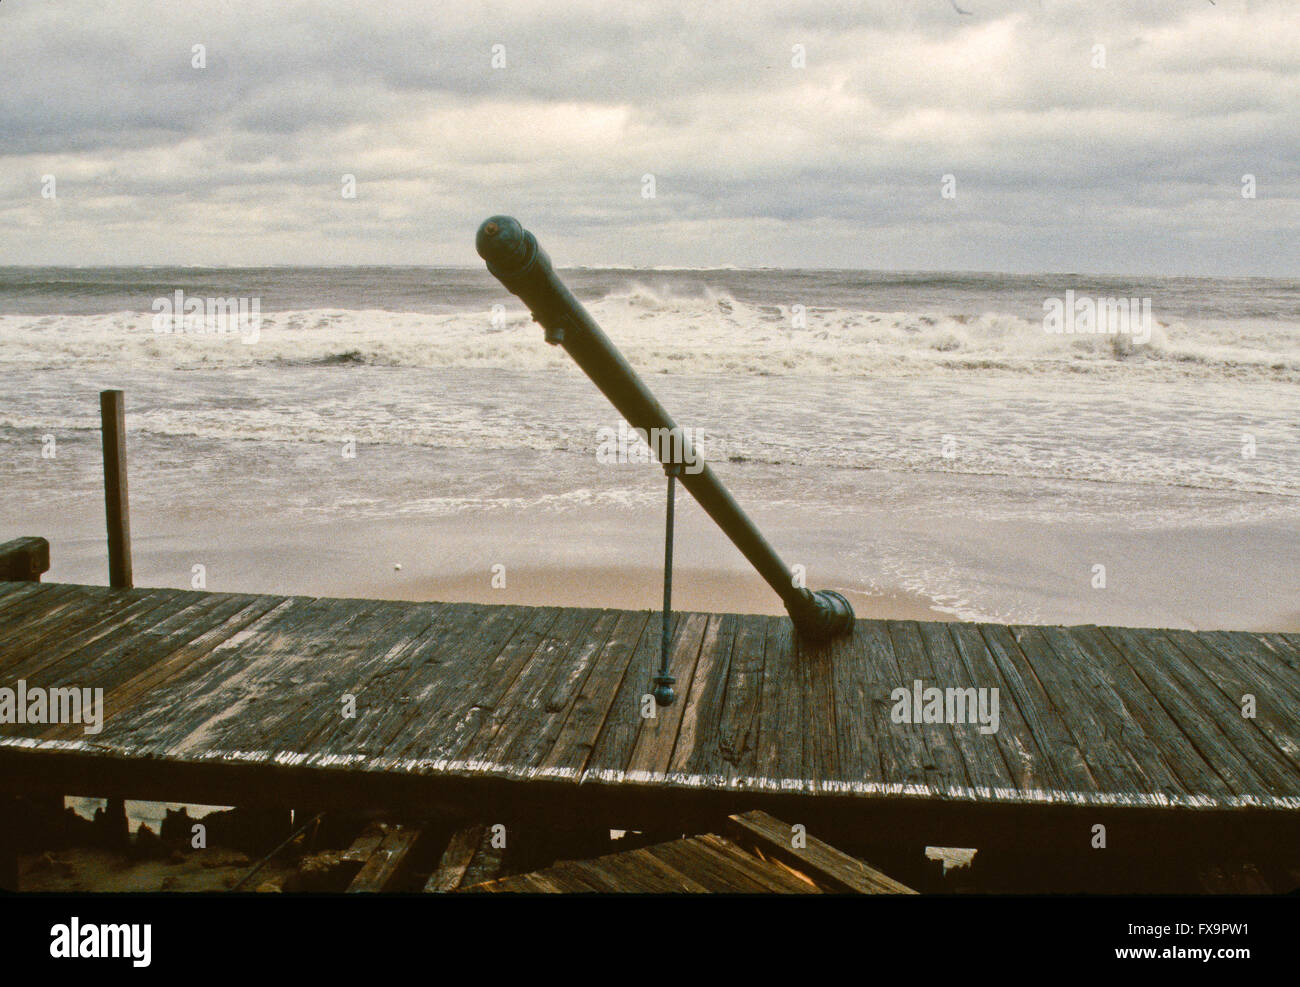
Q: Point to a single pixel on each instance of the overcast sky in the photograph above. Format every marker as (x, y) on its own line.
(1059, 165)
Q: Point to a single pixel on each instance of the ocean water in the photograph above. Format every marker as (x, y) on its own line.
(895, 432)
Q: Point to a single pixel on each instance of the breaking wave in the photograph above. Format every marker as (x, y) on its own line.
(661, 332)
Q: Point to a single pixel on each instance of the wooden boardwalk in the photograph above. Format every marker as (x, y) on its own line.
(240, 699)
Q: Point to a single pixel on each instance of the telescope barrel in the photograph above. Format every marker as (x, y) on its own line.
(515, 259)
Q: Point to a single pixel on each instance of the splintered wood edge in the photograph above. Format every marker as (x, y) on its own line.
(820, 861)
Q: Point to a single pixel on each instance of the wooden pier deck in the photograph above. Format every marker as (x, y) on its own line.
(514, 711)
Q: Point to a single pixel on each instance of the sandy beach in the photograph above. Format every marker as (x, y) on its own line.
(1202, 576)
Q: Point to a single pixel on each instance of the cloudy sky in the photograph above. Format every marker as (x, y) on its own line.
(1066, 156)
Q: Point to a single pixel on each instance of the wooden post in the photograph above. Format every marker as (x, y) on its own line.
(24, 559)
(112, 412)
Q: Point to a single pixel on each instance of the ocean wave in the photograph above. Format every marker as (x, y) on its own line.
(659, 332)
(896, 445)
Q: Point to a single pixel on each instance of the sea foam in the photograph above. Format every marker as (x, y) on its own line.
(659, 332)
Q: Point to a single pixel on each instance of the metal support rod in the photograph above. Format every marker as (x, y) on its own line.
(515, 259)
(664, 682)
(112, 413)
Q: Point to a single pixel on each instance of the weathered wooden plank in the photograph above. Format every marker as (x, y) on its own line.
(705, 691)
(904, 755)
(199, 688)
(21, 626)
(981, 752)
(312, 686)
(1258, 658)
(487, 862)
(441, 678)
(821, 758)
(525, 749)
(136, 693)
(575, 877)
(653, 751)
(913, 663)
(625, 876)
(819, 860)
(363, 847)
(131, 639)
(577, 736)
(7, 589)
(861, 715)
(417, 674)
(612, 751)
(455, 860)
(1030, 767)
(1276, 711)
(52, 618)
(775, 879)
(389, 864)
(553, 880)
(527, 720)
(364, 650)
(538, 882)
(24, 593)
(1209, 719)
(75, 641)
(613, 747)
(673, 880)
(707, 867)
(228, 718)
(39, 601)
(1285, 649)
(578, 877)
(1104, 729)
(1161, 737)
(735, 754)
(542, 882)
(1050, 725)
(778, 757)
(120, 666)
(451, 726)
(648, 871)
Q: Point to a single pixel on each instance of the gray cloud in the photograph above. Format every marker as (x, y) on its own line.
(1133, 167)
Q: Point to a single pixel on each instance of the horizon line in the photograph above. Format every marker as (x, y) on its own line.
(657, 268)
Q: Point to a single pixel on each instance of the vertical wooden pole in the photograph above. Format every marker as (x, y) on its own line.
(112, 412)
